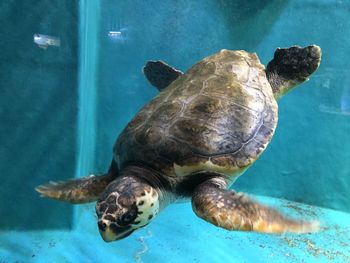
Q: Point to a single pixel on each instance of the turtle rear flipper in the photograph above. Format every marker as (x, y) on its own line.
(291, 67)
(160, 74)
(76, 191)
(235, 211)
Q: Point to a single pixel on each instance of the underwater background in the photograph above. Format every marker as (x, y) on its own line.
(61, 109)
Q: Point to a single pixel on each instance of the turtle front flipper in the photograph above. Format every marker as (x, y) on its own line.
(291, 67)
(81, 190)
(76, 191)
(235, 211)
(160, 74)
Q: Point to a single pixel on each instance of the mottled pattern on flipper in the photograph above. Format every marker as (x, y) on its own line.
(76, 191)
(236, 211)
(292, 66)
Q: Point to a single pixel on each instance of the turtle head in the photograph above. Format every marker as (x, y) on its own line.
(127, 204)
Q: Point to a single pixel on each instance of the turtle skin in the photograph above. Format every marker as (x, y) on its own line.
(219, 116)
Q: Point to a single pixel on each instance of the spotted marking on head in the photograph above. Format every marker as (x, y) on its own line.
(147, 206)
(108, 207)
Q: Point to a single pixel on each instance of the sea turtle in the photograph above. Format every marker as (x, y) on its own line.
(202, 131)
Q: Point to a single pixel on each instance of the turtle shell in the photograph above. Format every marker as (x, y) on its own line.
(219, 116)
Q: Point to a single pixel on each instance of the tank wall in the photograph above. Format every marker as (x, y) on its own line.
(306, 160)
(38, 110)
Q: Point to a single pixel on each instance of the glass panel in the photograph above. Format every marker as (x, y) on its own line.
(38, 109)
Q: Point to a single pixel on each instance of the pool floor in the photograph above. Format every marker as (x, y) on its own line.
(177, 235)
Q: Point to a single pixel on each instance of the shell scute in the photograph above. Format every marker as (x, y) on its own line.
(219, 116)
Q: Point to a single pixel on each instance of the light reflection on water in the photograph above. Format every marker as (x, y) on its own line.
(334, 92)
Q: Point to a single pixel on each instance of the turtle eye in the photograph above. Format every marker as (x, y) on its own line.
(127, 218)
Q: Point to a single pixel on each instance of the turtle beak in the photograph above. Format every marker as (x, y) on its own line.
(113, 232)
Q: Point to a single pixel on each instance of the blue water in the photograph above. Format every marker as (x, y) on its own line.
(61, 109)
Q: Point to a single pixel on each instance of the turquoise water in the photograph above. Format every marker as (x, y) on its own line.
(62, 108)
